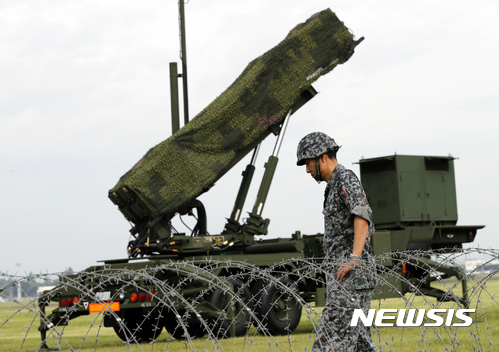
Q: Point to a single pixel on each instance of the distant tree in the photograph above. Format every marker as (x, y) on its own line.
(31, 292)
(25, 286)
(51, 281)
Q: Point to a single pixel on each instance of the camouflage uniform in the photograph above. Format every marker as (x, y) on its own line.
(344, 198)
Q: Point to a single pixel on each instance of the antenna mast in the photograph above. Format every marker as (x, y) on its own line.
(183, 57)
(174, 75)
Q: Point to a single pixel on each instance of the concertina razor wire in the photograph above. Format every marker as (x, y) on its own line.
(261, 308)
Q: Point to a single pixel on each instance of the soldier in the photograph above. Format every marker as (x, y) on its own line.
(350, 270)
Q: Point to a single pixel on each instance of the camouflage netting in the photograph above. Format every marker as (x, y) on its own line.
(188, 163)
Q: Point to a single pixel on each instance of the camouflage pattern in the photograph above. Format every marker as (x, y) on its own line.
(334, 332)
(345, 198)
(187, 164)
(313, 145)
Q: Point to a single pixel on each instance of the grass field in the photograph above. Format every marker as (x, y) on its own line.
(19, 331)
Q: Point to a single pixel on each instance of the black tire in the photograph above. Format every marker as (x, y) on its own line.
(195, 329)
(244, 308)
(277, 307)
(138, 326)
(222, 301)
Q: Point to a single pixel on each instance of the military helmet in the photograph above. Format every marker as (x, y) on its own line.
(313, 145)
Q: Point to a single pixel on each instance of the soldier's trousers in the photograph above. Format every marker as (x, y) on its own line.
(334, 332)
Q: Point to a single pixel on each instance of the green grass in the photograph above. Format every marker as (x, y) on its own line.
(19, 331)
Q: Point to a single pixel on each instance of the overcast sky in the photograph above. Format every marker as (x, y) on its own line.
(84, 93)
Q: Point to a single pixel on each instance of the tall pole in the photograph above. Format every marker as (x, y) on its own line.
(174, 97)
(183, 57)
(18, 282)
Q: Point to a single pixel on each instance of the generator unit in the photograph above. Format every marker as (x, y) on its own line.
(414, 204)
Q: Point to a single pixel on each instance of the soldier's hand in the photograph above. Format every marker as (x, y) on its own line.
(346, 267)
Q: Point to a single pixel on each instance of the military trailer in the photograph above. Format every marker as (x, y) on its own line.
(196, 283)
(402, 190)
